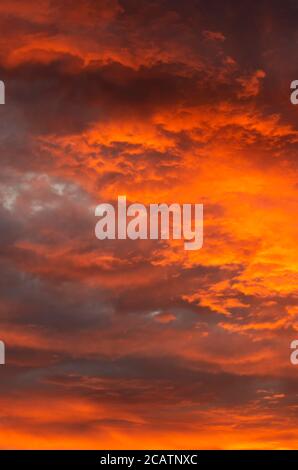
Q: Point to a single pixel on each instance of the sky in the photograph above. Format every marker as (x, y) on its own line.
(122, 344)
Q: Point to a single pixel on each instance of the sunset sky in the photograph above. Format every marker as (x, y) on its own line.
(122, 344)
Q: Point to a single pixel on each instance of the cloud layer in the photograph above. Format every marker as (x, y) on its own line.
(122, 344)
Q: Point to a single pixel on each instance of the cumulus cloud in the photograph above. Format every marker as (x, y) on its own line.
(163, 102)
